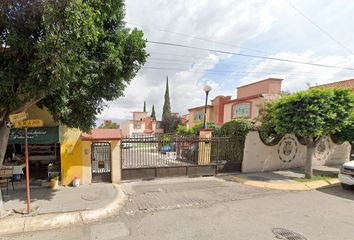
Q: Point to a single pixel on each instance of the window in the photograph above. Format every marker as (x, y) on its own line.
(137, 125)
(198, 116)
(241, 110)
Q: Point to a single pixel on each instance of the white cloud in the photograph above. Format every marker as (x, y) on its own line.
(267, 25)
(230, 22)
(298, 76)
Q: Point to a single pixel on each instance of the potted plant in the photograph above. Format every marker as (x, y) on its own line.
(54, 182)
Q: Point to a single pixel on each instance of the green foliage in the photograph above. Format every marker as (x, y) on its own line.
(166, 111)
(347, 132)
(144, 109)
(313, 113)
(182, 130)
(70, 56)
(153, 113)
(237, 128)
(266, 129)
(112, 125)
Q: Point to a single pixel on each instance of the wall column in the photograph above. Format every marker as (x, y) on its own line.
(116, 166)
(204, 150)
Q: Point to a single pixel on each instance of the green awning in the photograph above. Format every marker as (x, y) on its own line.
(42, 135)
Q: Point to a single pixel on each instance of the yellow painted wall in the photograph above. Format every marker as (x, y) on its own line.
(35, 112)
(71, 156)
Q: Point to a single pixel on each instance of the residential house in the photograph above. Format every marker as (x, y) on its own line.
(339, 84)
(141, 124)
(249, 99)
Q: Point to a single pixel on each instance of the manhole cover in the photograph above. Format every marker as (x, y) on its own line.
(286, 234)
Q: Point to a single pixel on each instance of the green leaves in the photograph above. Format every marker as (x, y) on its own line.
(76, 53)
(312, 113)
(237, 128)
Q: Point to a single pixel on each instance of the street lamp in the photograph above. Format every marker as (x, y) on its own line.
(206, 89)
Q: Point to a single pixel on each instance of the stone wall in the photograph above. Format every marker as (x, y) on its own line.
(289, 153)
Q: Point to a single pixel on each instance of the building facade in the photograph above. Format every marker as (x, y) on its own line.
(141, 124)
(249, 99)
(56, 149)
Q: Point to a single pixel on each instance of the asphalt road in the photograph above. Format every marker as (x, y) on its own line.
(210, 208)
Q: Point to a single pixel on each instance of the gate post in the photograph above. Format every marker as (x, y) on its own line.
(204, 149)
(116, 171)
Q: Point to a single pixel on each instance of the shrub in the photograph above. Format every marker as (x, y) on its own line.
(236, 128)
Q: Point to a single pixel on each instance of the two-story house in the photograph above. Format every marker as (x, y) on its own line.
(249, 99)
(141, 124)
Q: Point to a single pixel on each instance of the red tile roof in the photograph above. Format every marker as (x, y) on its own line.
(98, 134)
(340, 84)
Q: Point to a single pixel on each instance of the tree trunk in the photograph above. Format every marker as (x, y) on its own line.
(310, 150)
(4, 137)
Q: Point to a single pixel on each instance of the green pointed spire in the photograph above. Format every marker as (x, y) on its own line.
(144, 110)
(153, 114)
(166, 112)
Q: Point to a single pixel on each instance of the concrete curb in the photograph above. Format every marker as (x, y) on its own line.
(288, 186)
(16, 224)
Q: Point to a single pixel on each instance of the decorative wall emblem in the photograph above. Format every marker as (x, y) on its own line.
(287, 149)
(323, 149)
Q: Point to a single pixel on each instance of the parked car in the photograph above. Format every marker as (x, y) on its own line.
(346, 175)
(127, 145)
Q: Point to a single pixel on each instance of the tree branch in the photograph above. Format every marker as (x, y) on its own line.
(29, 104)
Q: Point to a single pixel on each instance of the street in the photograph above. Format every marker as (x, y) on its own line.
(214, 208)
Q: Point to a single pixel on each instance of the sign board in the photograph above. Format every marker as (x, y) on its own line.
(32, 123)
(242, 110)
(43, 135)
(17, 117)
(171, 155)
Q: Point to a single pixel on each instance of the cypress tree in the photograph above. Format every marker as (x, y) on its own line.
(166, 112)
(144, 110)
(153, 114)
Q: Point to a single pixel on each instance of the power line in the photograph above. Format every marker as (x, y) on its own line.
(198, 38)
(319, 28)
(234, 73)
(248, 55)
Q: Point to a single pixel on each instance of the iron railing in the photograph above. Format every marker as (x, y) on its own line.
(166, 150)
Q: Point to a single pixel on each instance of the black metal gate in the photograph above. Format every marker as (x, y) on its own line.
(156, 156)
(101, 161)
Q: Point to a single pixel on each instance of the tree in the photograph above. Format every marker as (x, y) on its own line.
(166, 112)
(313, 114)
(69, 56)
(170, 123)
(109, 125)
(144, 109)
(153, 114)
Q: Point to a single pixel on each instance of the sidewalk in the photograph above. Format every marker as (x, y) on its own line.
(65, 207)
(65, 199)
(285, 179)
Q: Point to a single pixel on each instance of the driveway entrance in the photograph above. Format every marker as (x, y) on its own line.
(157, 156)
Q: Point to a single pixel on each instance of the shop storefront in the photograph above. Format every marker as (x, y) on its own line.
(44, 151)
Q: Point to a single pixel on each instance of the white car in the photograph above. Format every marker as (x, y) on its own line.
(346, 175)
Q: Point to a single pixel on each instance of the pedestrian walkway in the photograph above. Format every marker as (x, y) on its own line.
(64, 199)
(290, 179)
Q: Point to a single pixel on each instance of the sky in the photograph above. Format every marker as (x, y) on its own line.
(308, 31)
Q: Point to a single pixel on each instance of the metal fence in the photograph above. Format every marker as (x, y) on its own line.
(176, 150)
